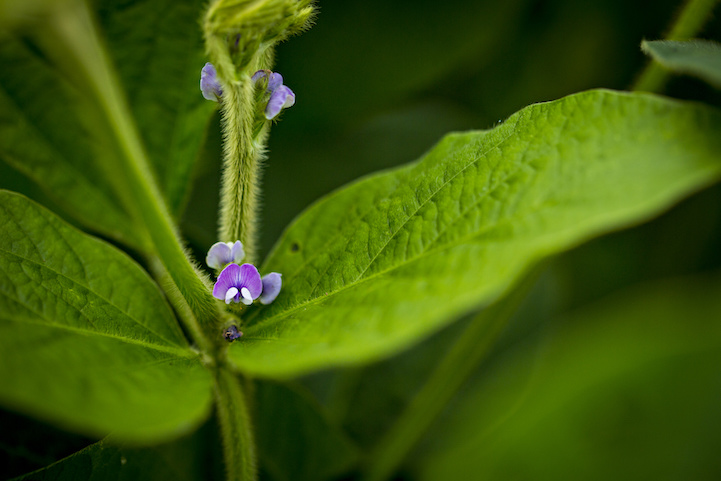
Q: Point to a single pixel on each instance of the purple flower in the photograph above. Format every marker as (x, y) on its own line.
(224, 253)
(209, 84)
(238, 284)
(281, 97)
(271, 287)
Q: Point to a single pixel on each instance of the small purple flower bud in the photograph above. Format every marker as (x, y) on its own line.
(271, 287)
(209, 84)
(259, 75)
(274, 81)
(238, 284)
(223, 253)
(232, 333)
(280, 99)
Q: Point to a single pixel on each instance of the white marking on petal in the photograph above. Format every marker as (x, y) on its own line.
(245, 293)
(232, 292)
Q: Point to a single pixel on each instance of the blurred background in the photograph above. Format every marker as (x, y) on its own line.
(612, 366)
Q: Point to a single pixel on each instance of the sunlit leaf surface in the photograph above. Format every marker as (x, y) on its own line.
(88, 340)
(383, 262)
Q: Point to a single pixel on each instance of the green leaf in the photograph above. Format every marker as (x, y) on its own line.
(627, 388)
(88, 340)
(185, 459)
(378, 265)
(701, 58)
(158, 51)
(286, 420)
(47, 132)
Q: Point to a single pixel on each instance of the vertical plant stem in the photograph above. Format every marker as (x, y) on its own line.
(235, 427)
(243, 154)
(689, 22)
(75, 27)
(472, 347)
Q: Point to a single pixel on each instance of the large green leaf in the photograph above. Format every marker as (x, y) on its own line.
(158, 51)
(625, 389)
(46, 133)
(286, 420)
(88, 340)
(387, 260)
(701, 58)
(185, 459)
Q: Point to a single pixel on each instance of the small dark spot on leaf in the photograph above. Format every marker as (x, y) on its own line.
(294, 247)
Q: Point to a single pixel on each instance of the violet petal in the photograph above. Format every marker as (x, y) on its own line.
(229, 277)
(209, 84)
(236, 252)
(282, 98)
(274, 81)
(271, 287)
(219, 255)
(249, 277)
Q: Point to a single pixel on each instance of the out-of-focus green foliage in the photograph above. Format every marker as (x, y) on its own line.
(190, 458)
(626, 388)
(701, 58)
(286, 419)
(50, 133)
(158, 51)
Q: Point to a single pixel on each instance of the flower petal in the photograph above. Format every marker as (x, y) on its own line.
(209, 84)
(231, 295)
(236, 252)
(229, 277)
(271, 287)
(219, 255)
(282, 98)
(274, 81)
(249, 277)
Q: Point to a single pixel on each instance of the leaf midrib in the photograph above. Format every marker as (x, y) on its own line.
(181, 353)
(360, 279)
(73, 281)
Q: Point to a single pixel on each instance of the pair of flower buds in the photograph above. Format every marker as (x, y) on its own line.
(280, 96)
(240, 283)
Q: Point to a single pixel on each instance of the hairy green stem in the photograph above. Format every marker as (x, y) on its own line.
(689, 22)
(243, 153)
(471, 348)
(75, 27)
(235, 427)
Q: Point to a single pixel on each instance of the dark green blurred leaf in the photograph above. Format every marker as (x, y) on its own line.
(401, 48)
(186, 459)
(368, 401)
(389, 259)
(88, 340)
(625, 389)
(701, 58)
(27, 445)
(158, 51)
(295, 440)
(44, 135)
